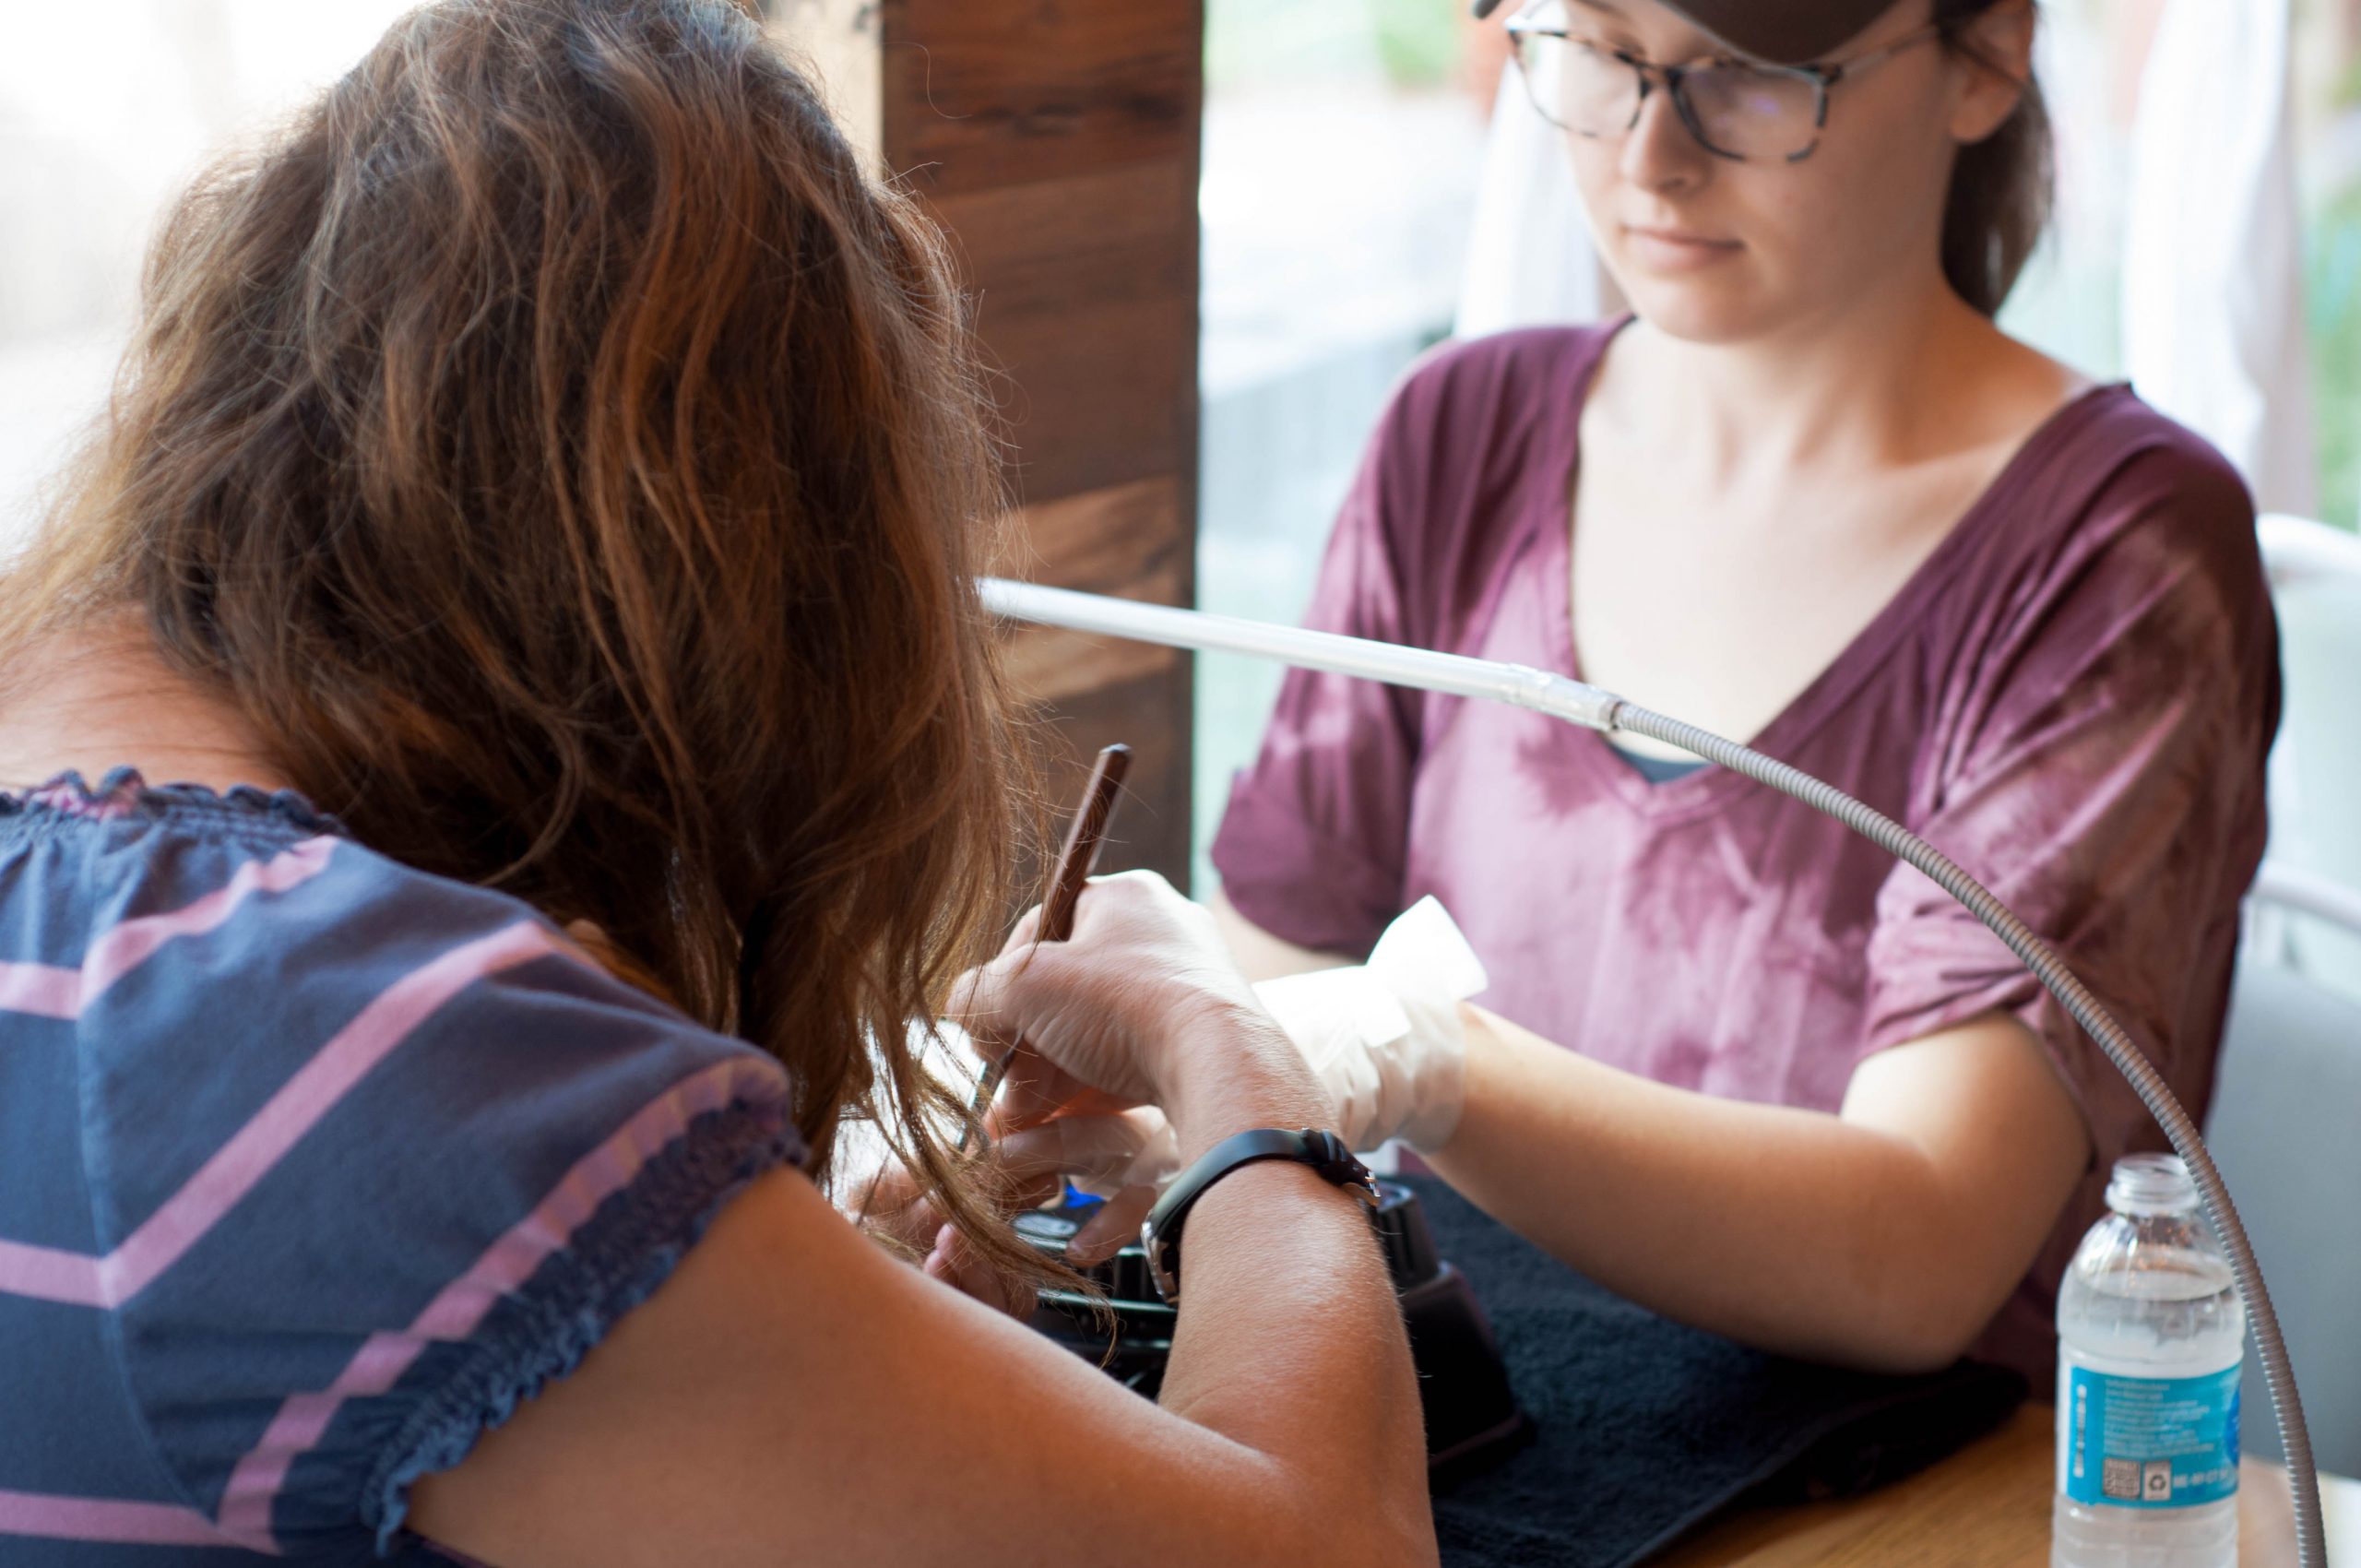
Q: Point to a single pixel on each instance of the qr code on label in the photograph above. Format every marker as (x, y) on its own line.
(2120, 1478)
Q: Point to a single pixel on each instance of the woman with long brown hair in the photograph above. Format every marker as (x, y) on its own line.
(506, 742)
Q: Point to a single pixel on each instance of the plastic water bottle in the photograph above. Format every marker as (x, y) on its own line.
(2151, 1332)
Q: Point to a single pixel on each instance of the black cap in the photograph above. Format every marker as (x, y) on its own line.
(1785, 33)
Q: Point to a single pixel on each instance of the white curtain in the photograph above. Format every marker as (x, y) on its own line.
(2212, 258)
(1529, 257)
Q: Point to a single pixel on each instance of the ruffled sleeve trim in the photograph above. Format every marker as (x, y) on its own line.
(617, 1259)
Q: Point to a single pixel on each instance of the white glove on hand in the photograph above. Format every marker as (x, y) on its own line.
(1126, 1158)
(1385, 1038)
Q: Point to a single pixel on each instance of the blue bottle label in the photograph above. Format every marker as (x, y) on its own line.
(2151, 1442)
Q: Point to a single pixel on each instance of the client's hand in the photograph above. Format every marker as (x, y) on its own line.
(1123, 1157)
(1385, 1038)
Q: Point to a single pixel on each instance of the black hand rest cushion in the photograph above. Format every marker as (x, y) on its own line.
(1643, 1429)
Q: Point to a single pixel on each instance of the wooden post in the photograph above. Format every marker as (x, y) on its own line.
(1057, 141)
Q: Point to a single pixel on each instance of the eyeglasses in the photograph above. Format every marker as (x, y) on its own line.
(1736, 108)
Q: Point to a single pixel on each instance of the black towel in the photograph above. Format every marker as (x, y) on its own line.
(1645, 1428)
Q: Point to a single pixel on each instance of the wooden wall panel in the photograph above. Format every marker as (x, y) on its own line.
(1089, 311)
(982, 95)
(1056, 142)
(1152, 827)
(1096, 542)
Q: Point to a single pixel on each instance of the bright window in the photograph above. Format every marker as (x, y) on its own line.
(1343, 139)
(101, 125)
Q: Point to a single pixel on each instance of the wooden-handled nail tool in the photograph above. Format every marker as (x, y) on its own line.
(1075, 861)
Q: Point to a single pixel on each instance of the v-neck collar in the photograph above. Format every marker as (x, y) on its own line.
(1783, 736)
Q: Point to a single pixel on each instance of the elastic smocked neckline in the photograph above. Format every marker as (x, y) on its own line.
(123, 792)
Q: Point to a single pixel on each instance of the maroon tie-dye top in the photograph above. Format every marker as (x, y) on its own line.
(2072, 698)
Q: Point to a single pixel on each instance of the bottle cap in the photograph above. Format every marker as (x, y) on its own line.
(2151, 1184)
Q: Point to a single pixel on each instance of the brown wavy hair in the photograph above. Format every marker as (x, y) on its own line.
(1997, 204)
(574, 466)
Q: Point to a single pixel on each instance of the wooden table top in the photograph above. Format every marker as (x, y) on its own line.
(1988, 1506)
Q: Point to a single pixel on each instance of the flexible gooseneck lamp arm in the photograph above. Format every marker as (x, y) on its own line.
(1520, 686)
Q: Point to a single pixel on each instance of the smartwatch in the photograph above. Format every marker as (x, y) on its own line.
(1324, 1152)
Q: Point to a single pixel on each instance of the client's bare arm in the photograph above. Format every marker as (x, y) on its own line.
(1883, 1237)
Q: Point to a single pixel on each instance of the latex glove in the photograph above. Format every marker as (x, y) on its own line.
(1102, 1154)
(1126, 1159)
(1116, 1155)
(1099, 1015)
(1385, 1038)
(1101, 1151)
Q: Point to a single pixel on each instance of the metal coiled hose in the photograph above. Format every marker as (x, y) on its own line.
(2287, 1409)
(1588, 705)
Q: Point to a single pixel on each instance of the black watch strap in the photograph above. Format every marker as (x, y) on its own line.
(1324, 1152)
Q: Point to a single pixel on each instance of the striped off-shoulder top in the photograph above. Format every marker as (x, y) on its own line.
(311, 1166)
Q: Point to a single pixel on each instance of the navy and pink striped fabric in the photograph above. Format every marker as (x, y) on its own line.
(311, 1166)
